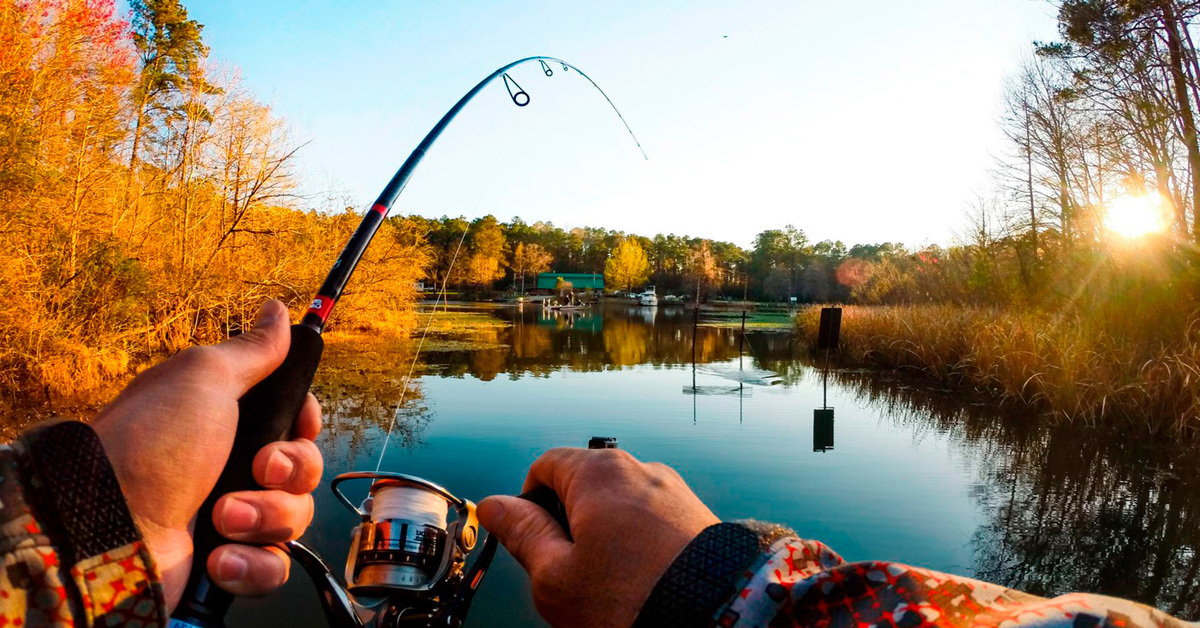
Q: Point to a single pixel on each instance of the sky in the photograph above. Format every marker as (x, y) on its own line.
(863, 122)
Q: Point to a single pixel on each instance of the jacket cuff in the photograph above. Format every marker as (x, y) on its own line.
(76, 500)
(706, 574)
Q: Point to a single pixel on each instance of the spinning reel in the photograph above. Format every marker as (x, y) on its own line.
(407, 565)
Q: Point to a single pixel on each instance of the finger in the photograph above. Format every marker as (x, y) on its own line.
(251, 356)
(262, 516)
(248, 571)
(531, 535)
(308, 422)
(554, 469)
(293, 466)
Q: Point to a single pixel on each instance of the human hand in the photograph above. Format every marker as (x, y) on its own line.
(168, 435)
(630, 520)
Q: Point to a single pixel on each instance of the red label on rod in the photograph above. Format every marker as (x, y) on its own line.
(321, 306)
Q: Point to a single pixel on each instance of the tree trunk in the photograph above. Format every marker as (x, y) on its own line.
(1186, 116)
(133, 157)
(1064, 204)
(1033, 227)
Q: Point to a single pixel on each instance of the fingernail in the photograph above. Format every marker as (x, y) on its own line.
(239, 516)
(268, 313)
(232, 567)
(280, 469)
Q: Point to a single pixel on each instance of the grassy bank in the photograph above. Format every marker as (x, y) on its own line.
(1124, 374)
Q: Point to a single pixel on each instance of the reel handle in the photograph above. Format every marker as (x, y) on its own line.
(265, 415)
(545, 496)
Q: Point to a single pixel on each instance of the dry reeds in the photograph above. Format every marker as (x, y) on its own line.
(1095, 372)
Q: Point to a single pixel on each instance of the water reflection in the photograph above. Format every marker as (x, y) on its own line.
(1065, 509)
(361, 385)
(1051, 509)
(538, 342)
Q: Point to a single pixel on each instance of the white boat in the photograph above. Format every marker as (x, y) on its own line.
(649, 297)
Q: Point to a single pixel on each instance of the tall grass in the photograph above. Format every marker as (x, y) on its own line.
(1125, 372)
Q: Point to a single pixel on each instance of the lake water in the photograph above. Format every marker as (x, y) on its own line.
(932, 478)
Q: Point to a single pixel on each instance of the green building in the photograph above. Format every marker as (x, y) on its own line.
(581, 281)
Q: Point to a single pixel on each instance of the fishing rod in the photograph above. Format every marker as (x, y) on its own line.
(407, 564)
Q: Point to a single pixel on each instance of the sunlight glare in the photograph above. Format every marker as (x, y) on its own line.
(1136, 215)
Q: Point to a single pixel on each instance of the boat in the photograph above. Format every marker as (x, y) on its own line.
(649, 297)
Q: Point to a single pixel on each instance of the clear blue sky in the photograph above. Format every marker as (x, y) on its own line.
(867, 121)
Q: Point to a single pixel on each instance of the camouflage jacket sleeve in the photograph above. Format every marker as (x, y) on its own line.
(70, 554)
(743, 575)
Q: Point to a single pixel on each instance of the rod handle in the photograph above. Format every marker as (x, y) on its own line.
(545, 496)
(265, 414)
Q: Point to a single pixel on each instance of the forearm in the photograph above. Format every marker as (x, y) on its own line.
(719, 580)
(70, 554)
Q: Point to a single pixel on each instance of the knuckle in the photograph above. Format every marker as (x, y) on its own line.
(611, 458)
(665, 472)
(256, 337)
(660, 475)
(203, 358)
(312, 466)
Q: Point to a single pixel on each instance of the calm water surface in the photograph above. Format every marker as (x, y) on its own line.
(925, 477)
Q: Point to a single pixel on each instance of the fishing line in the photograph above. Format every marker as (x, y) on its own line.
(268, 410)
(442, 295)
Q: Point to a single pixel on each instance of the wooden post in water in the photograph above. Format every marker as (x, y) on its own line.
(742, 338)
(695, 324)
(828, 335)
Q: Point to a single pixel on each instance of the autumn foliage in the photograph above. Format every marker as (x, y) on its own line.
(110, 254)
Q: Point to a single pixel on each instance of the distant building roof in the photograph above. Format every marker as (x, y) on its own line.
(581, 281)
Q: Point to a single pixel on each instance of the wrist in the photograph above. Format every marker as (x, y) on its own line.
(76, 500)
(703, 577)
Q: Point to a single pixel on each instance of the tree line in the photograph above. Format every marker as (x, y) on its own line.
(487, 255)
(148, 201)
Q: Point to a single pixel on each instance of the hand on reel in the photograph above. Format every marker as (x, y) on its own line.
(407, 565)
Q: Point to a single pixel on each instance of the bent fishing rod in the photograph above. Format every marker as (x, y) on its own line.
(407, 565)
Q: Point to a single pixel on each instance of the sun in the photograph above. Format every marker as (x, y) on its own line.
(1136, 215)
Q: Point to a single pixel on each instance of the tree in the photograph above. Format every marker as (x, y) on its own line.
(780, 255)
(171, 50)
(627, 266)
(485, 263)
(1139, 55)
(702, 268)
(530, 259)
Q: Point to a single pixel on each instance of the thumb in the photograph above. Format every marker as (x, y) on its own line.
(529, 533)
(251, 356)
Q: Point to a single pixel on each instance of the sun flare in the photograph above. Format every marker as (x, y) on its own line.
(1136, 216)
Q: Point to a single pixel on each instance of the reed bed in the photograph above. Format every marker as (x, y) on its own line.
(1124, 374)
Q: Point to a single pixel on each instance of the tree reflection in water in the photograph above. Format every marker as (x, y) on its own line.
(539, 343)
(361, 388)
(1066, 508)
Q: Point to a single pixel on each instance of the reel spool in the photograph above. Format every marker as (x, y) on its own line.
(404, 545)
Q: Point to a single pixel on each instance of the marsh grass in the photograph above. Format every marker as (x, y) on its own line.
(1136, 370)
